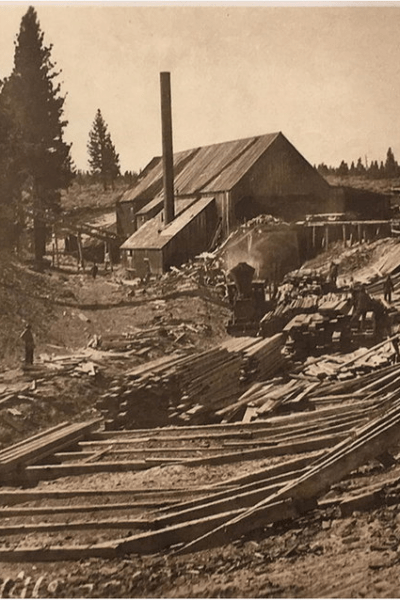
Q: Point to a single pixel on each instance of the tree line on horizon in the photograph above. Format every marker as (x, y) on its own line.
(35, 159)
(388, 169)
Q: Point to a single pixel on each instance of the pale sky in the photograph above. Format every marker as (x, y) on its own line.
(327, 77)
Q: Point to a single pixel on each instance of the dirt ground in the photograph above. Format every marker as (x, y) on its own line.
(65, 310)
(319, 555)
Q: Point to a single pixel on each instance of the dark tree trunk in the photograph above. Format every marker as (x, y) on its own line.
(39, 239)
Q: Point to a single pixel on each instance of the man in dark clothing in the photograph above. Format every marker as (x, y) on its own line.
(363, 303)
(333, 274)
(388, 288)
(27, 337)
(95, 270)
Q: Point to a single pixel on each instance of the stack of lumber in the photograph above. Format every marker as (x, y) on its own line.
(179, 389)
(14, 459)
(347, 366)
(333, 327)
(275, 320)
(263, 359)
(276, 396)
(141, 341)
(390, 261)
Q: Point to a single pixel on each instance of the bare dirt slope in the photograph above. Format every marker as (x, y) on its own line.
(66, 310)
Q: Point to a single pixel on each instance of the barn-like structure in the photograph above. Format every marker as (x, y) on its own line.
(247, 177)
(221, 185)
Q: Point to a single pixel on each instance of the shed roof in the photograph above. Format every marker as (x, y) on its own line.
(152, 235)
(157, 203)
(208, 169)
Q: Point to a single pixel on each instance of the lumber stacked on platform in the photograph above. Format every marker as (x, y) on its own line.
(190, 389)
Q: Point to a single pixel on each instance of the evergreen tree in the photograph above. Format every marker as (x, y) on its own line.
(391, 166)
(323, 169)
(103, 158)
(352, 170)
(373, 170)
(34, 98)
(360, 169)
(343, 169)
(8, 174)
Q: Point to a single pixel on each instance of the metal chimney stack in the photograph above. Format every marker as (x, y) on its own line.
(168, 157)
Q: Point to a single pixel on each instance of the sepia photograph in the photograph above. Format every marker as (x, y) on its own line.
(199, 299)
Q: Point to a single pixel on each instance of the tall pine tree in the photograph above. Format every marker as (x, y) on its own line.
(33, 96)
(9, 171)
(391, 166)
(103, 158)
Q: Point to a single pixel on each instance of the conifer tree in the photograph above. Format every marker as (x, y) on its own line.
(8, 174)
(343, 169)
(391, 166)
(37, 113)
(103, 158)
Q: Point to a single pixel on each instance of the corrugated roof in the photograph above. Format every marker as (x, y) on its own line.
(227, 178)
(151, 177)
(152, 235)
(158, 201)
(213, 168)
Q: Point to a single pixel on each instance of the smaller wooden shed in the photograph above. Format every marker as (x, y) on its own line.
(158, 246)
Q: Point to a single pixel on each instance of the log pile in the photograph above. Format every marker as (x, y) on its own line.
(190, 389)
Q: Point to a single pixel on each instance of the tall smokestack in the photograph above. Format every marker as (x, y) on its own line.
(168, 157)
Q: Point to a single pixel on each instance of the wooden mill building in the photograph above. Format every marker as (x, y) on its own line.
(247, 177)
(218, 187)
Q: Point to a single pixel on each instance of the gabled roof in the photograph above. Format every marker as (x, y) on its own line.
(207, 169)
(153, 235)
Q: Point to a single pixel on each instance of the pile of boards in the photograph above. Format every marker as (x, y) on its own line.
(276, 397)
(15, 459)
(190, 389)
(333, 327)
(334, 441)
(275, 320)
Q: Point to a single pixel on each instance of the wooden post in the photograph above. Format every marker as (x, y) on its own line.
(359, 232)
(344, 235)
(326, 237)
(57, 254)
(80, 253)
(314, 232)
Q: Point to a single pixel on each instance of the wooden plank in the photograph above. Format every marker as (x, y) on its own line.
(68, 469)
(103, 524)
(372, 440)
(14, 497)
(151, 542)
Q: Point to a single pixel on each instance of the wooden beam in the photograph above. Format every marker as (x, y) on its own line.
(371, 440)
(151, 542)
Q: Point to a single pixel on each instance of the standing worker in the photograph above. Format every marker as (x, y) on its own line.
(363, 304)
(27, 337)
(95, 270)
(107, 261)
(147, 275)
(333, 273)
(388, 288)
